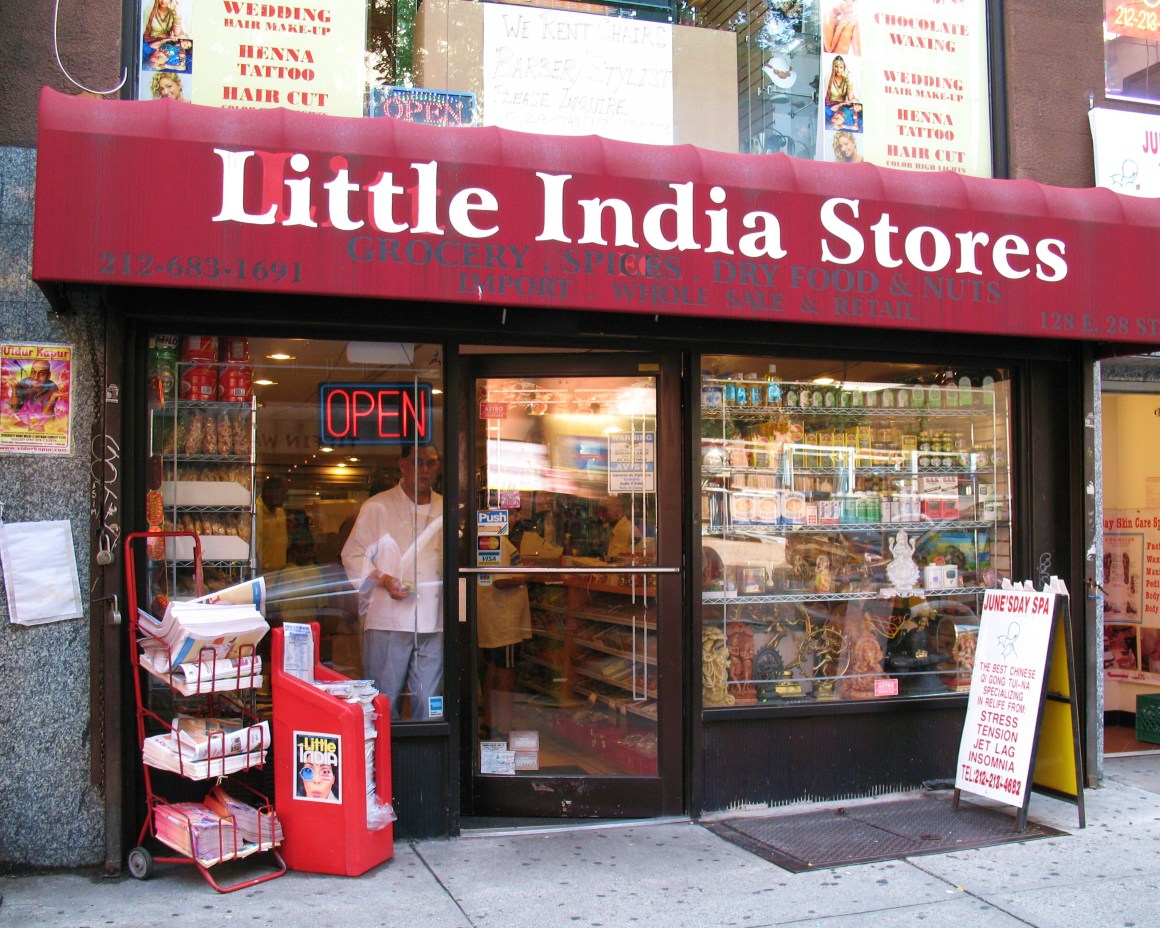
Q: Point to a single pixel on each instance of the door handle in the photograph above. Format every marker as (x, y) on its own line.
(569, 570)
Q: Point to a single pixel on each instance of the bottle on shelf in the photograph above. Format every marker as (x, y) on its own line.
(967, 395)
(952, 392)
(772, 387)
(987, 388)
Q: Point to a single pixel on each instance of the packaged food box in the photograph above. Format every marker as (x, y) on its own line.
(793, 508)
(768, 509)
(743, 508)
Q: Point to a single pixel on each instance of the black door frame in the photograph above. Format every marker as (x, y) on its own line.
(584, 797)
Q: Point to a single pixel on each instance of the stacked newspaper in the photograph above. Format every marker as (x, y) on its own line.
(203, 748)
(196, 831)
(210, 639)
(361, 693)
(259, 827)
(298, 661)
(212, 675)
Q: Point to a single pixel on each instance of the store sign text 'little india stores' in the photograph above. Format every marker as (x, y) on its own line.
(531, 222)
(675, 224)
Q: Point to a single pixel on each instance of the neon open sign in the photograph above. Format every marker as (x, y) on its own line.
(375, 413)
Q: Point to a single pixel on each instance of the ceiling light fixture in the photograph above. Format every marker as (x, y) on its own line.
(265, 383)
(280, 356)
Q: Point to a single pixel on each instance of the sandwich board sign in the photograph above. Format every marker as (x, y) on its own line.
(1020, 631)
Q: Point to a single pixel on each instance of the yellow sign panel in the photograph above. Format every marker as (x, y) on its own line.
(1057, 758)
(262, 55)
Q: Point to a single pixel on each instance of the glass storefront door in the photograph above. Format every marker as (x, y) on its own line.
(571, 575)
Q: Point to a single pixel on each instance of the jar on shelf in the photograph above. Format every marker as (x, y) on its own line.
(712, 396)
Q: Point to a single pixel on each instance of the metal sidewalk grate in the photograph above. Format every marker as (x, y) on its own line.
(889, 830)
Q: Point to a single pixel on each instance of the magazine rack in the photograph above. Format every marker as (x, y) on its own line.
(201, 838)
(328, 835)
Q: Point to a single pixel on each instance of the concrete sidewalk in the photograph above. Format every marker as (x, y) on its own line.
(671, 874)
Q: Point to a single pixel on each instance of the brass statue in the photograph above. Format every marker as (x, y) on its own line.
(714, 668)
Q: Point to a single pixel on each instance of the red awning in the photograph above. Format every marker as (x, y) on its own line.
(165, 194)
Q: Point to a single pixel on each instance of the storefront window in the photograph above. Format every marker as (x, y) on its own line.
(899, 83)
(1132, 50)
(852, 515)
(315, 465)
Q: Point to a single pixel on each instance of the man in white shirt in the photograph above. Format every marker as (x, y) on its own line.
(394, 558)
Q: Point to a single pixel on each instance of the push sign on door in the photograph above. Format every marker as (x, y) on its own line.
(492, 522)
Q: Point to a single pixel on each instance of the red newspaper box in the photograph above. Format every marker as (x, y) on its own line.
(320, 774)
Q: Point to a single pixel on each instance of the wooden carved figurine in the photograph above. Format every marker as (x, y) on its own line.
(865, 667)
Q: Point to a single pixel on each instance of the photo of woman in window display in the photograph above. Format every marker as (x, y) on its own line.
(166, 47)
(840, 96)
(167, 55)
(163, 21)
(168, 86)
(845, 146)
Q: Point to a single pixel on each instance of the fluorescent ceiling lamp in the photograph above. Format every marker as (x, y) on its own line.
(380, 353)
